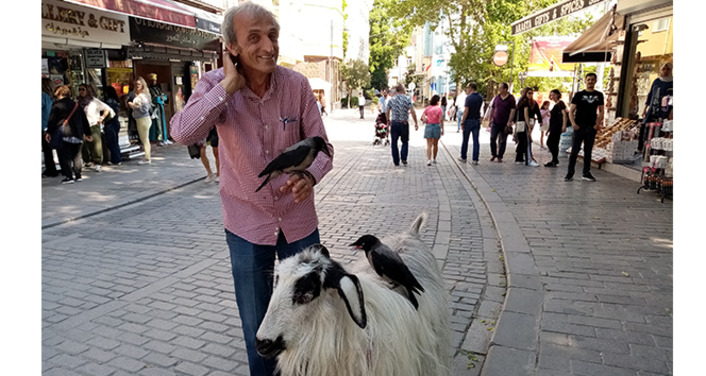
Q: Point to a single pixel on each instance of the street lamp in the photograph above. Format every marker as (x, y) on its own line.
(522, 76)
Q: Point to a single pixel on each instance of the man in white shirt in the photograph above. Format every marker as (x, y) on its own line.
(361, 103)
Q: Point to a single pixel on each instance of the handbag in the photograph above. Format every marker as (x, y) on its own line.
(64, 130)
(520, 127)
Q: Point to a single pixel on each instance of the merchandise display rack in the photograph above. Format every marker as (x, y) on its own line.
(657, 174)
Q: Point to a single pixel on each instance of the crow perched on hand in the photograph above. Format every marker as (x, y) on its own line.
(294, 159)
(389, 265)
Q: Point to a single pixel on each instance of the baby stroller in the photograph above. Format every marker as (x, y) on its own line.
(381, 130)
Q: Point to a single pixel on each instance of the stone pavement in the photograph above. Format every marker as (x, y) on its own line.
(546, 277)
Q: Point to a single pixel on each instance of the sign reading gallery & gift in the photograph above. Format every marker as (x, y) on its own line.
(70, 21)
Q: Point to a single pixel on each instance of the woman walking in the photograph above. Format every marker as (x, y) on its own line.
(526, 109)
(433, 116)
(141, 112)
(557, 126)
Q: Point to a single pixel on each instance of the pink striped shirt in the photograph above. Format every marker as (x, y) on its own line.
(251, 134)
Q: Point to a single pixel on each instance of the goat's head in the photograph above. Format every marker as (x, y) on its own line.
(301, 282)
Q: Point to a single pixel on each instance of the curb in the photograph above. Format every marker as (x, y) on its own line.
(515, 342)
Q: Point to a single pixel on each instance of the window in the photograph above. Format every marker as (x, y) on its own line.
(661, 25)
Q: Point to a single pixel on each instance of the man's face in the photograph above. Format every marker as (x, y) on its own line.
(665, 71)
(257, 46)
(591, 82)
(468, 90)
(503, 90)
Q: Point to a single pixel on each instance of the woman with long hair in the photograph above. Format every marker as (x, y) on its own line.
(544, 127)
(96, 111)
(557, 126)
(111, 127)
(526, 109)
(434, 118)
(141, 112)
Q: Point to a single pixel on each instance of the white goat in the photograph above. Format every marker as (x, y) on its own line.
(324, 321)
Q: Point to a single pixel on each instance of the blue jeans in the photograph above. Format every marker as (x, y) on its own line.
(253, 267)
(399, 129)
(111, 130)
(471, 125)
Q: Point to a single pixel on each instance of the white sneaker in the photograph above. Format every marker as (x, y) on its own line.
(144, 161)
(97, 168)
(209, 179)
(434, 161)
(475, 162)
(534, 164)
(217, 179)
(428, 162)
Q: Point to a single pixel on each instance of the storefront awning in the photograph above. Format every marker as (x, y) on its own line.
(205, 21)
(596, 43)
(154, 10)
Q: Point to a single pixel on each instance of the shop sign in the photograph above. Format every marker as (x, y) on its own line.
(500, 58)
(147, 31)
(95, 58)
(550, 14)
(64, 20)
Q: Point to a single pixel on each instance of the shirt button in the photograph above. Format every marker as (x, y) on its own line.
(202, 118)
(266, 127)
(267, 152)
(279, 219)
(220, 99)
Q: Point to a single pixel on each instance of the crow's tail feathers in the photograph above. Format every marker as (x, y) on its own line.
(263, 183)
(417, 224)
(412, 298)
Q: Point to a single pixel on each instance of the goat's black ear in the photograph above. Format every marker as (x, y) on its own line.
(352, 294)
(349, 289)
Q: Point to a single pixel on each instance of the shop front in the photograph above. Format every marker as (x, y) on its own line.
(172, 58)
(78, 42)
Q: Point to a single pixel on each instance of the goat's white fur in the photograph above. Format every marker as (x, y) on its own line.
(323, 340)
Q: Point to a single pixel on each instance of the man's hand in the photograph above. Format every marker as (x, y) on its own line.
(576, 127)
(301, 187)
(89, 138)
(416, 126)
(233, 80)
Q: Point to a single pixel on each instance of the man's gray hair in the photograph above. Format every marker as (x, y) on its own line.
(257, 11)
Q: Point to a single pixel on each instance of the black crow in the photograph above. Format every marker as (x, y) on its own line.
(389, 265)
(294, 159)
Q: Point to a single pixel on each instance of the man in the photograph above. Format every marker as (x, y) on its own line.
(361, 103)
(586, 116)
(444, 102)
(398, 109)
(501, 114)
(158, 101)
(470, 122)
(259, 109)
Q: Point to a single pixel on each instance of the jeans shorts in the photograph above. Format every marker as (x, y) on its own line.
(432, 130)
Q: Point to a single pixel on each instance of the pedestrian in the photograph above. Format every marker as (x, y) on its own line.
(544, 127)
(586, 115)
(158, 97)
(500, 114)
(96, 112)
(557, 125)
(527, 109)
(460, 104)
(211, 139)
(47, 102)
(259, 109)
(67, 110)
(452, 109)
(658, 105)
(111, 127)
(322, 99)
(361, 103)
(444, 103)
(470, 121)
(433, 116)
(141, 107)
(399, 107)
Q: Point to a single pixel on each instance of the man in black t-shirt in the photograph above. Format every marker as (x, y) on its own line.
(586, 115)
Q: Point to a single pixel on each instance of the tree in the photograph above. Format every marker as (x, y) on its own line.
(388, 39)
(356, 74)
(475, 27)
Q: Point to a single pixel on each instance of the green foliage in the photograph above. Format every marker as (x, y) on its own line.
(356, 74)
(411, 77)
(378, 79)
(477, 26)
(388, 39)
(344, 6)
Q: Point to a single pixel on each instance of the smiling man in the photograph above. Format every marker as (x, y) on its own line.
(259, 109)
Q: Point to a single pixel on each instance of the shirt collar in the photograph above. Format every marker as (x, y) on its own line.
(274, 78)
